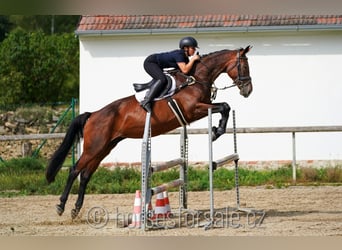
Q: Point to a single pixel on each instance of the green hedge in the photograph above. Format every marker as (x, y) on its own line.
(26, 176)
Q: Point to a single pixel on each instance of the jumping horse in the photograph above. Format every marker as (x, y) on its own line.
(102, 130)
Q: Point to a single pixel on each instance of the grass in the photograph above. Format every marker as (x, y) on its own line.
(26, 176)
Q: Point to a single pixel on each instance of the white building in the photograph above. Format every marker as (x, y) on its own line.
(295, 65)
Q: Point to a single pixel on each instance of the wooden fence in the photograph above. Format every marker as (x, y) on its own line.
(241, 130)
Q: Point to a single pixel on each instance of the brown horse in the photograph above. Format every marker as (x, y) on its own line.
(124, 118)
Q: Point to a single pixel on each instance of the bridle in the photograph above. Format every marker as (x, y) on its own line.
(240, 81)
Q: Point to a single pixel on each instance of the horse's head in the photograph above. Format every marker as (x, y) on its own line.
(239, 72)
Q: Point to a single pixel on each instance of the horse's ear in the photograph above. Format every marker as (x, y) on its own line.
(247, 49)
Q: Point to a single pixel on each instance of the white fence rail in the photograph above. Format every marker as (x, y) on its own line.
(251, 130)
(292, 130)
(241, 130)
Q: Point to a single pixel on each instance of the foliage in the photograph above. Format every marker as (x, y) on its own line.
(49, 24)
(197, 179)
(26, 176)
(37, 68)
(5, 27)
(34, 114)
(22, 166)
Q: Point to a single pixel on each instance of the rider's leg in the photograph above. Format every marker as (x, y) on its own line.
(153, 69)
(156, 88)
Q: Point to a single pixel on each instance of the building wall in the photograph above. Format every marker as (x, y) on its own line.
(296, 79)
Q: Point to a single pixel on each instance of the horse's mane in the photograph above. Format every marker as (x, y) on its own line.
(215, 52)
(205, 56)
(219, 51)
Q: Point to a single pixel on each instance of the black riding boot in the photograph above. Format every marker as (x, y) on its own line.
(155, 89)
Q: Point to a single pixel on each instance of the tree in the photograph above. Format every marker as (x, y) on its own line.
(38, 68)
(5, 27)
(49, 24)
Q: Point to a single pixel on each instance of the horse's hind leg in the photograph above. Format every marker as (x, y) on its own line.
(73, 173)
(90, 163)
(85, 177)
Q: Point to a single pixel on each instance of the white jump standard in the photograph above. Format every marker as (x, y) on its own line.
(147, 170)
(213, 166)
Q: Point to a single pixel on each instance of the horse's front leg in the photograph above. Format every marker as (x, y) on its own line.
(224, 109)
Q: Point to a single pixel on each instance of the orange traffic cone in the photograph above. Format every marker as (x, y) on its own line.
(159, 210)
(136, 218)
(167, 204)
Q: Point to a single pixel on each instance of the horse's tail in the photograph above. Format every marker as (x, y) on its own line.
(74, 132)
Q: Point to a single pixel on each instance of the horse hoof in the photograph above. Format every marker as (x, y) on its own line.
(59, 210)
(214, 133)
(74, 213)
(217, 132)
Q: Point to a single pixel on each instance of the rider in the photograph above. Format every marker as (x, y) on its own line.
(155, 63)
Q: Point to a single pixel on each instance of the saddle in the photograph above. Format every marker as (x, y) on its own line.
(142, 88)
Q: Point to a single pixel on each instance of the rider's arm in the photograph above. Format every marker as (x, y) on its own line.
(186, 67)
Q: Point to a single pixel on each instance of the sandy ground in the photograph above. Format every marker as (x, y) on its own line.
(292, 211)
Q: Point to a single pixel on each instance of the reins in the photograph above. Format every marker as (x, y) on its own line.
(240, 81)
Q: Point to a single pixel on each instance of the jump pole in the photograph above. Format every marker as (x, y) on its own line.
(183, 175)
(236, 165)
(214, 164)
(238, 208)
(147, 170)
(211, 197)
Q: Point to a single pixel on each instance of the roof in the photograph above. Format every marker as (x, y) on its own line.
(108, 24)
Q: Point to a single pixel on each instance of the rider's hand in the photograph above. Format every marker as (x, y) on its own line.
(196, 57)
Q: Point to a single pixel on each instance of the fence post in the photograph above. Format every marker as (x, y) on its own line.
(73, 115)
(72, 107)
(294, 157)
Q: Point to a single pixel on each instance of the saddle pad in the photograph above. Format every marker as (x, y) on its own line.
(141, 95)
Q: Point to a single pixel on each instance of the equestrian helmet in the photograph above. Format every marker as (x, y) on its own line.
(188, 42)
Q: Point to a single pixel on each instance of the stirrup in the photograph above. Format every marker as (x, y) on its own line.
(142, 86)
(147, 106)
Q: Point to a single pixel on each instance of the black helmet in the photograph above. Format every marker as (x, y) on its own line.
(188, 41)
